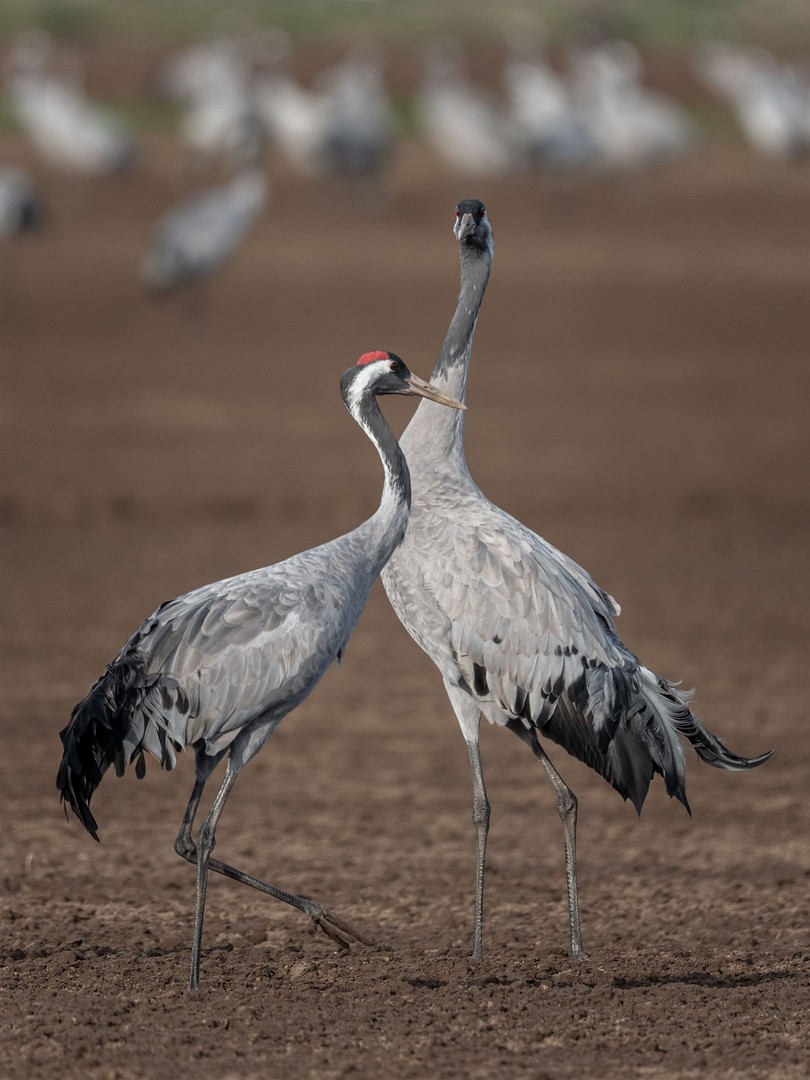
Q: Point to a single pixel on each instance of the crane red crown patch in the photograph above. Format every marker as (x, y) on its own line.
(370, 357)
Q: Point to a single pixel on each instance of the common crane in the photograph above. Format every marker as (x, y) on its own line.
(521, 634)
(218, 668)
(194, 238)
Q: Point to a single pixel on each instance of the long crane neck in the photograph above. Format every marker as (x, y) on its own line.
(385, 529)
(435, 436)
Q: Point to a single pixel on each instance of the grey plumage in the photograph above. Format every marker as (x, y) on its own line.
(218, 668)
(192, 240)
(521, 634)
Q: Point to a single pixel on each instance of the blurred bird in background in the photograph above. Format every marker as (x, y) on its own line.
(48, 101)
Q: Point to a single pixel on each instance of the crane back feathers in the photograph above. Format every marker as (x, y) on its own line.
(219, 667)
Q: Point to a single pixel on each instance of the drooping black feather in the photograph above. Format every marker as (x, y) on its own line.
(636, 737)
(95, 737)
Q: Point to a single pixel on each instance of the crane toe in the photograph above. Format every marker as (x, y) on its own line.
(334, 927)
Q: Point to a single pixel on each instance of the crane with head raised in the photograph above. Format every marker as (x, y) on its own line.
(521, 634)
(218, 668)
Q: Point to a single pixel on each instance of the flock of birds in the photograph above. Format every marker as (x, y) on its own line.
(239, 101)
(521, 635)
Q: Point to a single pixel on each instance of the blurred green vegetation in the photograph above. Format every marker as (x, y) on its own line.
(650, 22)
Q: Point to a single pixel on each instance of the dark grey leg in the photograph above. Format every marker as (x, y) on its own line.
(205, 845)
(469, 720)
(567, 809)
(184, 844)
(332, 925)
(481, 814)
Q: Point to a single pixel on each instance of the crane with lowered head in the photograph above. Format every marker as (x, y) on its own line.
(218, 668)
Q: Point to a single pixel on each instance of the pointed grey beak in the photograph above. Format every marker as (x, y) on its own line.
(465, 227)
(424, 389)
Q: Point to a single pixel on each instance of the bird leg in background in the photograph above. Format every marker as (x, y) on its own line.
(332, 925)
(481, 822)
(567, 809)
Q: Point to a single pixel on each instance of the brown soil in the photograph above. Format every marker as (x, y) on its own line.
(639, 396)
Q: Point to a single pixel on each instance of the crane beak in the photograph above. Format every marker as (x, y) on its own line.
(424, 389)
(465, 227)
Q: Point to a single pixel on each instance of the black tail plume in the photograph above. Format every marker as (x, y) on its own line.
(712, 750)
(104, 730)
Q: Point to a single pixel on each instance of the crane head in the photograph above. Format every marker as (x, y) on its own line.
(471, 227)
(383, 372)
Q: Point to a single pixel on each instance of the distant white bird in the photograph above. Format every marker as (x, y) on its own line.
(770, 99)
(219, 668)
(185, 73)
(341, 126)
(192, 240)
(631, 125)
(466, 126)
(549, 129)
(295, 119)
(20, 205)
(358, 118)
(213, 81)
(69, 130)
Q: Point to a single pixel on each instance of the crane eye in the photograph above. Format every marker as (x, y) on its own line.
(393, 366)
(458, 213)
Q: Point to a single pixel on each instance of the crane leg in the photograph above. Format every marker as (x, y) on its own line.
(205, 845)
(331, 924)
(567, 809)
(469, 719)
(184, 844)
(481, 815)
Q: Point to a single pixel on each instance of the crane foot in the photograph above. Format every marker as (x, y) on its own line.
(334, 927)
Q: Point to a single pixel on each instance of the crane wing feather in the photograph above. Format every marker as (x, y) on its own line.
(212, 661)
(538, 612)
